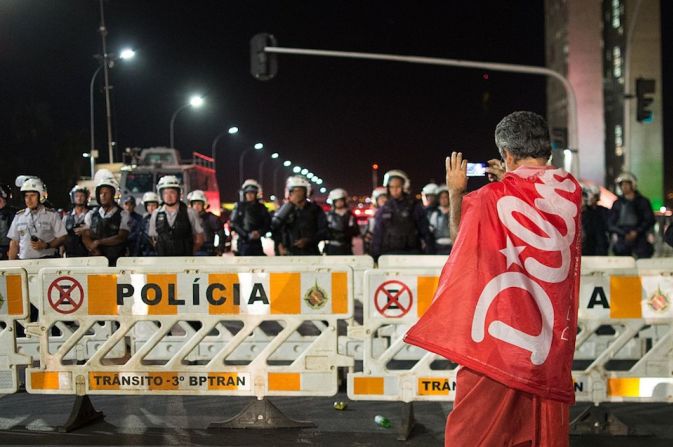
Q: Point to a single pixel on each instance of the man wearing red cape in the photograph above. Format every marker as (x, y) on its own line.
(506, 305)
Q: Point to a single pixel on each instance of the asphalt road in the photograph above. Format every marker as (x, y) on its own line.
(183, 420)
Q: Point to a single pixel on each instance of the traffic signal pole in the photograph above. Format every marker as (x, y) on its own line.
(573, 140)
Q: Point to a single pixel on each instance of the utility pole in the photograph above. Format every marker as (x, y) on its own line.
(106, 66)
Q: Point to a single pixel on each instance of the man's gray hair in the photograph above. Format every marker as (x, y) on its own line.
(524, 135)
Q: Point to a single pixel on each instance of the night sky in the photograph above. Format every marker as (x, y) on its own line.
(335, 117)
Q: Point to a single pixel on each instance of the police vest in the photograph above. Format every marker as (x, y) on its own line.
(253, 215)
(398, 227)
(6, 216)
(338, 227)
(74, 247)
(175, 240)
(104, 227)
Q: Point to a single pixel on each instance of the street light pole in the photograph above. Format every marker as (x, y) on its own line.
(240, 164)
(106, 62)
(91, 120)
(172, 126)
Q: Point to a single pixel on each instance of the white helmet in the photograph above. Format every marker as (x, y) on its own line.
(250, 185)
(441, 188)
(82, 189)
(378, 192)
(169, 181)
(336, 194)
(110, 182)
(297, 181)
(197, 196)
(399, 174)
(150, 197)
(627, 177)
(33, 184)
(430, 188)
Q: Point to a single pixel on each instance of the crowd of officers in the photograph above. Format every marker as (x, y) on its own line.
(402, 224)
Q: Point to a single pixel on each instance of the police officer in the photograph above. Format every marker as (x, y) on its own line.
(299, 225)
(250, 220)
(439, 222)
(429, 196)
(378, 199)
(74, 223)
(594, 218)
(7, 213)
(174, 227)
(631, 220)
(145, 245)
(107, 225)
(341, 224)
(135, 226)
(213, 228)
(36, 231)
(401, 225)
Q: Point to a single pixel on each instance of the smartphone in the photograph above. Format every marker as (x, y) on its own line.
(476, 169)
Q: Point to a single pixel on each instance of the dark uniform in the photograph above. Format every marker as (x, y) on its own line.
(342, 230)
(292, 223)
(632, 215)
(212, 226)
(595, 240)
(6, 216)
(74, 247)
(401, 225)
(439, 225)
(135, 233)
(145, 247)
(246, 218)
(175, 238)
(103, 225)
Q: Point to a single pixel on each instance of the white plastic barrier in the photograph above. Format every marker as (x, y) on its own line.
(28, 345)
(395, 299)
(624, 349)
(221, 306)
(13, 307)
(412, 262)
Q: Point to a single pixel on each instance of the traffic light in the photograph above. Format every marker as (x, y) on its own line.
(644, 88)
(263, 65)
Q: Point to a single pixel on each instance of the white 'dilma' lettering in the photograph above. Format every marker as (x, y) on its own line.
(537, 345)
(552, 241)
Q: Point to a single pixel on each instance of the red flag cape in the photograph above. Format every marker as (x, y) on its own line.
(506, 304)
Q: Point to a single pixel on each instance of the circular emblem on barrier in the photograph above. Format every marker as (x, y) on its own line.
(315, 297)
(658, 301)
(65, 295)
(393, 299)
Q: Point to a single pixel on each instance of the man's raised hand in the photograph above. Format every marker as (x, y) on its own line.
(456, 173)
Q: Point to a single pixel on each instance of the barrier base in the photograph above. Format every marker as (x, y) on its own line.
(407, 422)
(83, 413)
(599, 420)
(260, 414)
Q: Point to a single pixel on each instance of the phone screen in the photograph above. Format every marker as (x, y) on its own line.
(476, 169)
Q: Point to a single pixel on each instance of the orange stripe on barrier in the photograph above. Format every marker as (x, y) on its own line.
(103, 381)
(285, 293)
(227, 307)
(426, 287)
(284, 382)
(170, 381)
(339, 292)
(102, 294)
(162, 307)
(14, 295)
(368, 385)
(625, 297)
(433, 386)
(47, 380)
(624, 387)
(223, 381)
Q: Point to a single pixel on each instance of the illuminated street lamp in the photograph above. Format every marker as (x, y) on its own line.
(274, 155)
(195, 102)
(233, 130)
(127, 54)
(287, 163)
(259, 146)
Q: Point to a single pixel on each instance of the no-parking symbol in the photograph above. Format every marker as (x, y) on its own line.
(393, 299)
(65, 295)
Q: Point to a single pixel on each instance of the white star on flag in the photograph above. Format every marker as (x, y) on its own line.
(512, 253)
